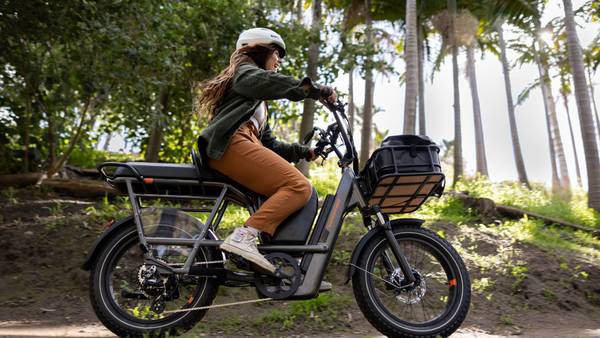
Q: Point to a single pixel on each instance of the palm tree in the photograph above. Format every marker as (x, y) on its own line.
(308, 113)
(583, 106)
(556, 144)
(565, 90)
(561, 62)
(481, 160)
(458, 164)
(522, 174)
(421, 97)
(367, 116)
(412, 67)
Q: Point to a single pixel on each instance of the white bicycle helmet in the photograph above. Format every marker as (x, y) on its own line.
(260, 35)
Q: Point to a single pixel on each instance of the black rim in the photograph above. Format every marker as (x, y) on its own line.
(422, 306)
(121, 273)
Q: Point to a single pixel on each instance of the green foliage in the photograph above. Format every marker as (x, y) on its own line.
(446, 208)
(536, 200)
(325, 178)
(109, 210)
(91, 158)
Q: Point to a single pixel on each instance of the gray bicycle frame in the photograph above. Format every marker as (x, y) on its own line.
(347, 197)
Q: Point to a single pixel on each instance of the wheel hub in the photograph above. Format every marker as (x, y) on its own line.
(406, 292)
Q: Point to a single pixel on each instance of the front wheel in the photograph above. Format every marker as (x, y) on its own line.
(434, 305)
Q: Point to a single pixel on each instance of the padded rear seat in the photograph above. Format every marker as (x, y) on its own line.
(171, 171)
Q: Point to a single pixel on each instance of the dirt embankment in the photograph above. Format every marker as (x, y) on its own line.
(519, 288)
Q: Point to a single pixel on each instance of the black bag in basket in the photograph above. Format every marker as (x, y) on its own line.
(403, 173)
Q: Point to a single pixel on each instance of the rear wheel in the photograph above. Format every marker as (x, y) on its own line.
(435, 305)
(127, 308)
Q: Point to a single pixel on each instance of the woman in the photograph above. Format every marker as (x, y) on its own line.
(238, 140)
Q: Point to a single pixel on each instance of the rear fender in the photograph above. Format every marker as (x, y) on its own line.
(114, 227)
(395, 223)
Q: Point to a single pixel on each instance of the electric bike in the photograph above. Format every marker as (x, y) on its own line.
(157, 272)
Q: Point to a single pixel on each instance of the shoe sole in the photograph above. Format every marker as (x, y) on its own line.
(247, 255)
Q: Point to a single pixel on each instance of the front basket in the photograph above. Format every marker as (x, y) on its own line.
(403, 173)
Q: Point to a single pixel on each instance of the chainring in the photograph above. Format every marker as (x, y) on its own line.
(284, 282)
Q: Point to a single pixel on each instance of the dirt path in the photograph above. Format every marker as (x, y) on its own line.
(44, 293)
(14, 329)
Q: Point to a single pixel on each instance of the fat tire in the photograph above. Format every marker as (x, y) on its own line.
(181, 323)
(372, 312)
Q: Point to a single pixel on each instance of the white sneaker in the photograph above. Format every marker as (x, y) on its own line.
(242, 242)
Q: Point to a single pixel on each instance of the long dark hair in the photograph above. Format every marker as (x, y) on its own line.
(210, 93)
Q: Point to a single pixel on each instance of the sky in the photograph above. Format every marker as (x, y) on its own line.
(389, 95)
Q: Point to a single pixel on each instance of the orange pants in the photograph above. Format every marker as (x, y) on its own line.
(258, 168)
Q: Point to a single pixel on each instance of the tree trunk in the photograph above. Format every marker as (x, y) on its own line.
(511, 110)
(89, 107)
(156, 134)
(566, 104)
(479, 140)
(26, 126)
(351, 107)
(590, 146)
(308, 115)
(299, 10)
(551, 143)
(556, 144)
(594, 103)
(367, 112)
(458, 164)
(107, 141)
(421, 98)
(411, 51)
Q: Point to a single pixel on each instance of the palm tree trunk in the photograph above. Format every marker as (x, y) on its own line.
(351, 107)
(551, 144)
(367, 113)
(511, 110)
(590, 146)
(308, 114)
(555, 137)
(421, 99)
(566, 104)
(594, 103)
(412, 67)
(458, 164)
(479, 140)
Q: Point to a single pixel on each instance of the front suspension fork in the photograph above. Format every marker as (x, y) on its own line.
(400, 258)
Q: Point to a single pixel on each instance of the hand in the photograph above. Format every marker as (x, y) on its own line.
(312, 156)
(328, 94)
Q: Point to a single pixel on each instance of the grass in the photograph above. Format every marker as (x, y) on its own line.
(321, 313)
(538, 199)
(109, 210)
(446, 208)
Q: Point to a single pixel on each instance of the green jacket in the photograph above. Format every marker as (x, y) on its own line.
(250, 86)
